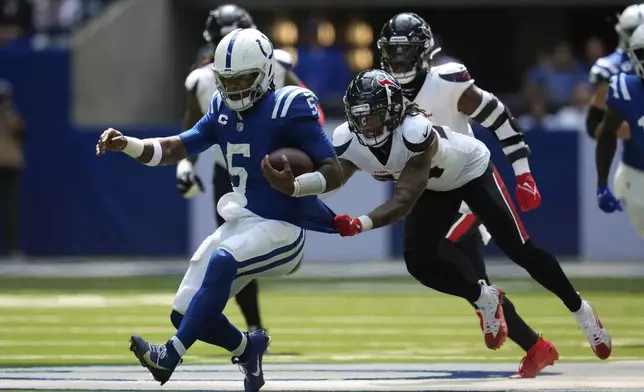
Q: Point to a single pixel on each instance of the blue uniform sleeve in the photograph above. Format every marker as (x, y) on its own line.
(200, 137)
(308, 135)
(297, 107)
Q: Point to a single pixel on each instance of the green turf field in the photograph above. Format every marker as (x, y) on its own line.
(80, 321)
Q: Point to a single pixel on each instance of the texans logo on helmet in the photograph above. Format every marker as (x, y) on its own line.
(426, 30)
(386, 80)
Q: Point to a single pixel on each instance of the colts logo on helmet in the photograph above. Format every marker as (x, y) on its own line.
(385, 80)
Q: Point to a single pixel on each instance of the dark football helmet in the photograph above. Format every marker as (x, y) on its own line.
(224, 19)
(406, 46)
(374, 107)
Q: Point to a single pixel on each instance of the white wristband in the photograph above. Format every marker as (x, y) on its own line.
(158, 153)
(133, 147)
(520, 166)
(366, 222)
(309, 184)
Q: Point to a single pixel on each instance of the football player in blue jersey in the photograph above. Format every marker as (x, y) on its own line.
(201, 85)
(614, 63)
(625, 102)
(267, 213)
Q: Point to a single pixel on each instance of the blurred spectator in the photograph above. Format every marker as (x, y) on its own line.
(60, 17)
(573, 117)
(15, 19)
(537, 119)
(555, 76)
(593, 51)
(11, 161)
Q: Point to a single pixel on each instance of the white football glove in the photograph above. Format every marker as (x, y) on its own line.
(188, 183)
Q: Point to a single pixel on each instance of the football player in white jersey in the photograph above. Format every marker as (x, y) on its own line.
(435, 170)
(448, 95)
(200, 85)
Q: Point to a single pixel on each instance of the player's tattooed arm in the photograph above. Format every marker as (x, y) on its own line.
(409, 187)
(490, 112)
(192, 115)
(606, 144)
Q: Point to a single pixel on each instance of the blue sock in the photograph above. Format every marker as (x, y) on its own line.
(222, 333)
(209, 302)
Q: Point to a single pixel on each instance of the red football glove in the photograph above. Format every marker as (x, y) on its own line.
(527, 193)
(347, 226)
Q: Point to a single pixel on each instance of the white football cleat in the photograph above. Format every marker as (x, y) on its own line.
(595, 332)
(490, 312)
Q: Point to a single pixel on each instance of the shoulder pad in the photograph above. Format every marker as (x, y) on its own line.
(215, 103)
(453, 72)
(416, 133)
(603, 69)
(283, 58)
(342, 138)
(295, 102)
(193, 78)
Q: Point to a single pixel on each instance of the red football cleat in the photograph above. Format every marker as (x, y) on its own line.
(542, 354)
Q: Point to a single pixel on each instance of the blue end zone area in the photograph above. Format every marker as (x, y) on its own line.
(554, 162)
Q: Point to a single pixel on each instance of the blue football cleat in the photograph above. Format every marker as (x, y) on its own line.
(159, 359)
(252, 368)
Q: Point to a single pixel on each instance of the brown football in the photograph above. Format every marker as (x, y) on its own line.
(299, 161)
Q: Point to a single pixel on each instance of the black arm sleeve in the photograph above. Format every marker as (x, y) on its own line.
(593, 119)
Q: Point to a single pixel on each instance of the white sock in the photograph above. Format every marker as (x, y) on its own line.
(242, 346)
(176, 343)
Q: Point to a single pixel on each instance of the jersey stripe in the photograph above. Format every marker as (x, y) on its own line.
(229, 50)
(623, 88)
(216, 97)
(278, 101)
(289, 100)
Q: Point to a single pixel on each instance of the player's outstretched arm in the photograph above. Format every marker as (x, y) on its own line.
(150, 152)
(604, 154)
(491, 113)
(606, 145)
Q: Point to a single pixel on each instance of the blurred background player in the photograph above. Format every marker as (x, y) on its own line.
(200, 85)
(625, 103)
(447, 93)
(614, 63)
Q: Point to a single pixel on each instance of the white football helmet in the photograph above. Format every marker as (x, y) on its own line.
(636, 50)
(244, 67)
(627, 22)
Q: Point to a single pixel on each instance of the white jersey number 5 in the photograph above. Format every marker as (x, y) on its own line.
(242, 149)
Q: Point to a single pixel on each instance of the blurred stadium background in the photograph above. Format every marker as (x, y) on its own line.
(103, 243)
